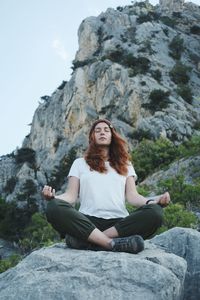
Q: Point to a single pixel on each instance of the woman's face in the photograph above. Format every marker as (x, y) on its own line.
(102, 134)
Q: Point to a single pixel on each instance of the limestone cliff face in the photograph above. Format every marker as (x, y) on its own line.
(123, 56)
(171, 6)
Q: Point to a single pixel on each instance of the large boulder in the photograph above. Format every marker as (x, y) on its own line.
(184, 242)
(56, 273)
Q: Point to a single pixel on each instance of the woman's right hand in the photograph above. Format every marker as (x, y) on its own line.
(48, 192)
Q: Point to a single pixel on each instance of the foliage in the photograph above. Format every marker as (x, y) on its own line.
(168, 21)
(60, 173)
(138, 65)
(30, 187)
(185, 92)
(10, 217)
(195, 29)
(181, 192)
(179, 73)
(176, 216)
(79, 64)
(37, 234)
(13, 219)
(143, 190)
(157, 75)
(25, 155)
(10, 262)
(120, 8)
(196, 125)
(149, 156)
(130, 208)
(140, 134)
(115, 56)
(10, 185)
(158, 100)
(62, 85)
(166, 31)
(190, 147)
(176, 47)
(26, 195)
(151, 16)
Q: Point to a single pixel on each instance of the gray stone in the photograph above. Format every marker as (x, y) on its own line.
(188, 167)
(171, 5)
(184, 242)
(57, 272)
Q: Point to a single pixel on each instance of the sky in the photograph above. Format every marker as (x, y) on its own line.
(39, 39)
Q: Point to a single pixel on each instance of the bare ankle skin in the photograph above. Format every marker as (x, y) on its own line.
(99, 238)
(111, 232)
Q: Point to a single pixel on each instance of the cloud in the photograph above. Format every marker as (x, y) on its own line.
(60, 49)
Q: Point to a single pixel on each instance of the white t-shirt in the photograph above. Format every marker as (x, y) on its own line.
(101, 194)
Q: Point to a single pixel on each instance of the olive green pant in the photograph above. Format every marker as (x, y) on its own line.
(66, 219)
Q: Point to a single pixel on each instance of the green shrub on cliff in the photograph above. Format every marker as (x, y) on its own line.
(10, 262)
(149, 156)
(37, 234)
(181, 192)
(175, 215)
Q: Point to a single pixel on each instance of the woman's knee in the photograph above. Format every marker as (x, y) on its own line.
(55, 209)
(58, 213)
(156, 212)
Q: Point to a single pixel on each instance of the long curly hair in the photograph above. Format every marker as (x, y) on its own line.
(118, 152)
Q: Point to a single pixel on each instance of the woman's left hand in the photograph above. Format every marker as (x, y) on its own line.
(164, 199)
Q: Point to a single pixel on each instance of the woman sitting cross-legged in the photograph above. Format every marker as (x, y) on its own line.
(103, 179)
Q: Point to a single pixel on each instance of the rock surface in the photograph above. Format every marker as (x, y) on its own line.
(168, 268)
(56, 273)
(188, 167)
(185, 243)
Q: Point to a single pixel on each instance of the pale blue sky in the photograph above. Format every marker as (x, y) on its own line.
(38, 43)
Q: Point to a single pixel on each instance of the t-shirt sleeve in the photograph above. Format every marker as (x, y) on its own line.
(131, 171)
(75, 169)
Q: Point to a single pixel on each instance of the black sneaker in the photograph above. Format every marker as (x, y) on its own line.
(131, 244)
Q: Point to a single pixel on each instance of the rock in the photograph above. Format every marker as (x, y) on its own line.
(187, 167)
(7, 249)
(56, 273)
(171, 5)
(184, 242)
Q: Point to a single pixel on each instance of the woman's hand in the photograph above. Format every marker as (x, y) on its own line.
(164, 199)
(48, 192)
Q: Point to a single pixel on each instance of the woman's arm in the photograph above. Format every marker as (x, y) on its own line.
(69, 196)
(134, 198)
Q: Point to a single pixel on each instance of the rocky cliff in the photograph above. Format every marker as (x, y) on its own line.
(138, 66)
(168, 268)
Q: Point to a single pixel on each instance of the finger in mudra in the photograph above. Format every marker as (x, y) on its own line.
(48, 192)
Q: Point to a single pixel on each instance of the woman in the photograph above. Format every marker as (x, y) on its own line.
(103, 179)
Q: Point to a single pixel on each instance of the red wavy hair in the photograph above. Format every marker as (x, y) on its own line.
(118, 151)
